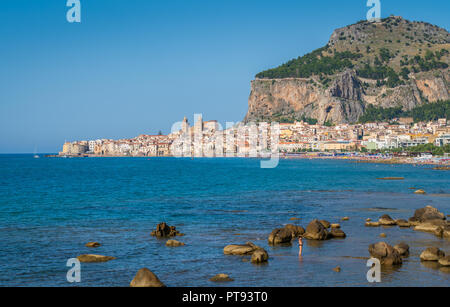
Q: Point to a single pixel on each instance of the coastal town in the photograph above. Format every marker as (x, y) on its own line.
(208, 139)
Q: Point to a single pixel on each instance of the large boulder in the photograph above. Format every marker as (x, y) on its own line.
(387, 255)
(402, 249)
(286, 234)
(146, 279)
(432, 254)
(260, 256)
(316, 231)
(386, 220)
(280, 236)
(426, 214)
(94, 258)
(163, 230)
(244, 249)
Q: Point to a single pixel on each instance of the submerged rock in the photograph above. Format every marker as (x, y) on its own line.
(384, 252)
(221, 278)
(337, 269)
(92, 244)
(432, 254)
(420, 192)
(94, 258)
(146, 279)
(383, 235)
(174, 243)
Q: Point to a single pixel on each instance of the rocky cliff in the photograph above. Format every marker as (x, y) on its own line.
(390, 63)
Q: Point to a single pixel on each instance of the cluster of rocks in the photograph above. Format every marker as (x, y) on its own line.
(427, 219)
(434, 254)
(320, 230)
(388, 255)
(317, 230)
(165, 231)
(258, 254)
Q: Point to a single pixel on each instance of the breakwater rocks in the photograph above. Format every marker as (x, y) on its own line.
(146, 279)
(165, 231)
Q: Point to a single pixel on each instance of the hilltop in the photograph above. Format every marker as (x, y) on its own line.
(394, 63)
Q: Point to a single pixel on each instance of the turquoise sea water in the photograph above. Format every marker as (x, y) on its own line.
(50, 208)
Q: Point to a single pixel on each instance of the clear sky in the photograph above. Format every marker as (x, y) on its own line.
(137, 66)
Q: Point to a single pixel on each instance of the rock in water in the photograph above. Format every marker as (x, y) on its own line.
(316, 231)
(383, 235)
(94, 258)
(174, 243)
(280, 236)
(386, 220)
(403, 223)
(373, 224)
(445, 261)
(428, 213)
(337, 269)
(420, 192)
(260, 256)
(325, 223)
(245, 249)
(146, 279)
(432, 254)
(221, 278)
(402, 249)
(163, 230)
(346, 218)
(336, 226)
(337, 233)
(93, 244)
(387, 255)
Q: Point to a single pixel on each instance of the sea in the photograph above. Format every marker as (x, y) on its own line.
(51, 207)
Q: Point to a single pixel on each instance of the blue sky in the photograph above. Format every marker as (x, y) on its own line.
(138, 66)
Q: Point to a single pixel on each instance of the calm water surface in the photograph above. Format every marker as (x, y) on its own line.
(50, 208)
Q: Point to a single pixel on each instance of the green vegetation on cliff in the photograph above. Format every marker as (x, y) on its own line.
(314, 63)
(426, 112)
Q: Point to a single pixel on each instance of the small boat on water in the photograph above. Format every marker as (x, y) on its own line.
(36, 156)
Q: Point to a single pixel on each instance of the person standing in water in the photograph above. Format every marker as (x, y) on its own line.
(300, 246)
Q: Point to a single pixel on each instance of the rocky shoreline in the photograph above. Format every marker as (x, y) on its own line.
(427, 219)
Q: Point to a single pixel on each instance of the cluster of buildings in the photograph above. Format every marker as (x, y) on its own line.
(209, 139)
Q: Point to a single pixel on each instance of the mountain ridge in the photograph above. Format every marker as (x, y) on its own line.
(391, 63)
